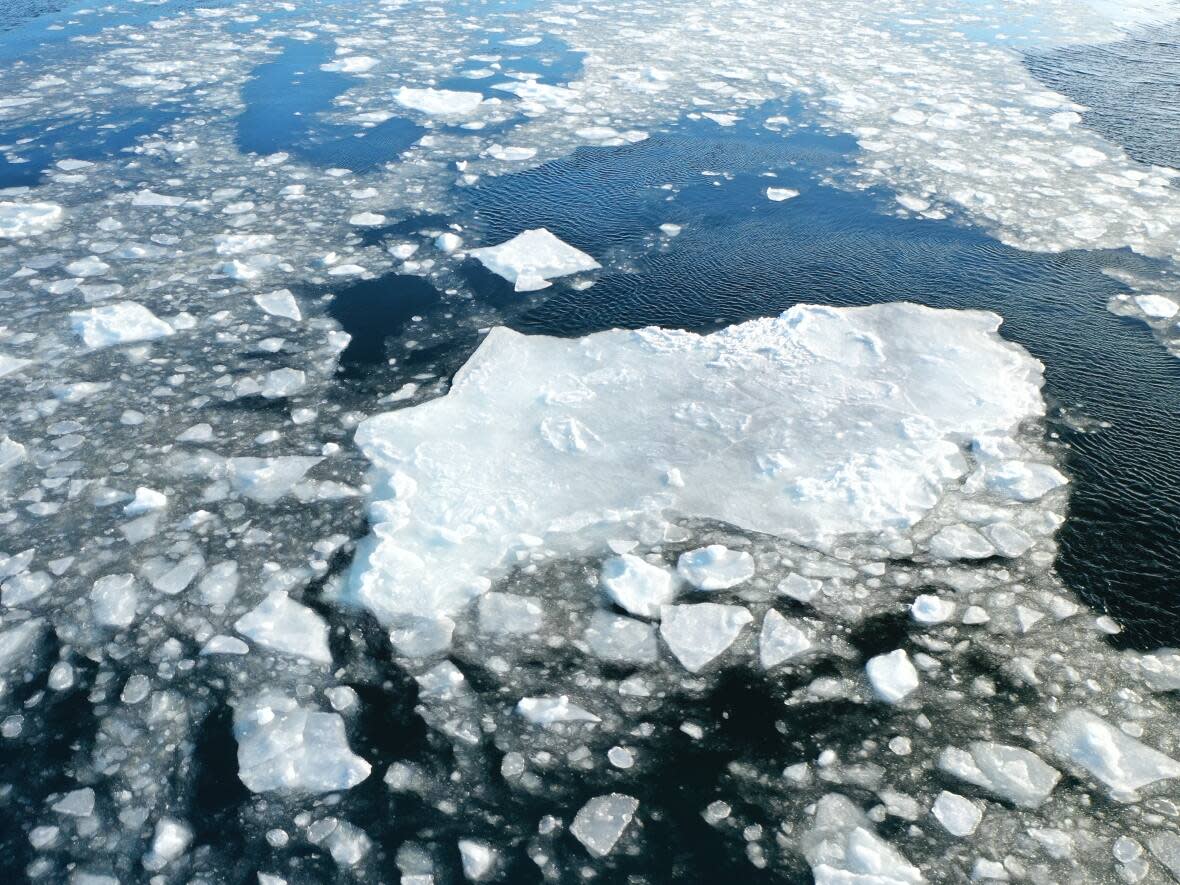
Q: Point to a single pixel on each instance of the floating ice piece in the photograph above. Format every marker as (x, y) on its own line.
(960, 542)
(281, 623)
(240, 244)
(854, 426)
(145, 501)
(1157, 307)
(698, 633)
(989, 870)
(225, 645)
(621, 639)
(958, 815)
(1161, 669)
(551, 711)
(892, 675)
(928, 609)
(151, 198)
(89, 266)
(76, 803)
(842, 849)
(779, 194)
(171, 839)
(715, 567)
(282, 382)
(506, 613)
(479, 860)
(268, 479)
(113, 599)
(1011, 773)
(1022, 480)
(280, 303)
(350, 64)
(120, 323)
(283, 747)
(1117, 759)
(439, 102)
(1165, 845)
(636, 585)
(601, 822)
(780, 640)
(18, 220)
(533, 258)
(12, 364)
(367, 219)
(448, 242)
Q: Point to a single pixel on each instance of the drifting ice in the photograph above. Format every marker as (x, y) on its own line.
(532, 258)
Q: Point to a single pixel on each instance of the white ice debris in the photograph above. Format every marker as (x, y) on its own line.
(439, 102)
(268, 479)
(842, 849)
(780, 640)
(892, 675)
(779, 194)
(929, 609)
(552, 711)
(1157, 307)
(280, 303)
(854, 425)
(958, 815)
(601, 822)
(76, 803)
(350, 64)
(715, 567)
(507, 613)
(1010, 773)
(120, 323)
(1118, 760)
(145, 501)
(532, 259)
(19, 220)
(113, 599)
(479, 859)
(171, 839)
(282, 624)
(960, 542)
(698, 633)
(636, 586)
(284, 747)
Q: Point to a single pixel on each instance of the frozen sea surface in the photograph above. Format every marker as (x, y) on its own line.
(526, 441)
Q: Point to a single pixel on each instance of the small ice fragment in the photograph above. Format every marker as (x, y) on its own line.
(780, 640)
(715, 567)
(439, 102)
(19, 220)
(282, 624)
(929, 609)
(113, 599)
(698, 633)
(479, 860)
(268, 479)
(1011, 773)
(892, 675)
(1117, 759)
(601, 822)
(960, 542)
(350, 64)
(280, 303)
(553, 710)
(779, 194)
(448, 242)
(367, 219)
(225, 645)
(636, 585)
(1157, 307)
(507, 613)
(145, 501)
(531, 259)
(842, 849)
(958, 815)
(170, 841)
(120, 323)
(77, 803)
(620, 639)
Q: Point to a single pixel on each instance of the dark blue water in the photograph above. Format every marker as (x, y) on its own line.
(741, 256)
(285, 100)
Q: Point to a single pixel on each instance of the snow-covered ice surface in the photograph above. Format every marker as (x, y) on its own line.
(771, 600)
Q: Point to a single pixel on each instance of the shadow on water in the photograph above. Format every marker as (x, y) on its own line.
(284, 100)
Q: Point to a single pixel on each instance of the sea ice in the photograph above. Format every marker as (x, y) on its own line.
(506, 613)
(780, 640)
(439, 102)
(18, 220)
(698, 633)
(268, 479)
(284, 747)
(552, 711)
(636, 585)
(958, 815)
(892, 675)
(601, 822)
(120, 323)
(282, 624)
(854, 425)
(1117, 759)
(533, 258)
(479, 860)
(1010, 773)
(113, 599)
(620, 639)
(280, 303)
(1157, 307)
(779, 194)
(715, 567)
(842, 849)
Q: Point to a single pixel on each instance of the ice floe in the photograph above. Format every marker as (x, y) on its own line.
(533, 259)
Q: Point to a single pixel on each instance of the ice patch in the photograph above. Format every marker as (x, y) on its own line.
(601, 822)
(280, 623)
(439, 102)
(842, 849)
(18, 220)
(698, 633)
(636, 585)
(892, 675)
(715, 567)
(533, 258)
(1118, 760)
(553, 711)
(1011, 773)
(121, 323)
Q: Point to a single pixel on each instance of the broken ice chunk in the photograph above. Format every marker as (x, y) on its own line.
(698, 633)
(280, 303)
(268, 479)
(1117, 759)
(635, 585)
(169, 842)
(120, 323)
(531, 259)
(282, 624)
(18, 220)
(1157, 307)
(286, 748)
(960, 542)
(601, 822)
(929, 609)
(479, 860)
(842, 849)
(113, 599)
(958, 815)
(1022, 480)
(779, 194)
(509, 614)
(892, 675)
(77, 803)
(145, 501)
(780, 640)
(620, 639)
(715, 567)
(550, 711)
(1011, 773)
(439, 102)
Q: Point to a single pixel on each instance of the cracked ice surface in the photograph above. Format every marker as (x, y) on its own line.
(858, 419)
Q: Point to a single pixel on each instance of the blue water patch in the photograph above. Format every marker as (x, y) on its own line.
(284, 102)
(740, 255)
(36, 147)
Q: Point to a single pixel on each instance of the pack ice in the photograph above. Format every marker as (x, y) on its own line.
(533, 258)
(807, 426)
